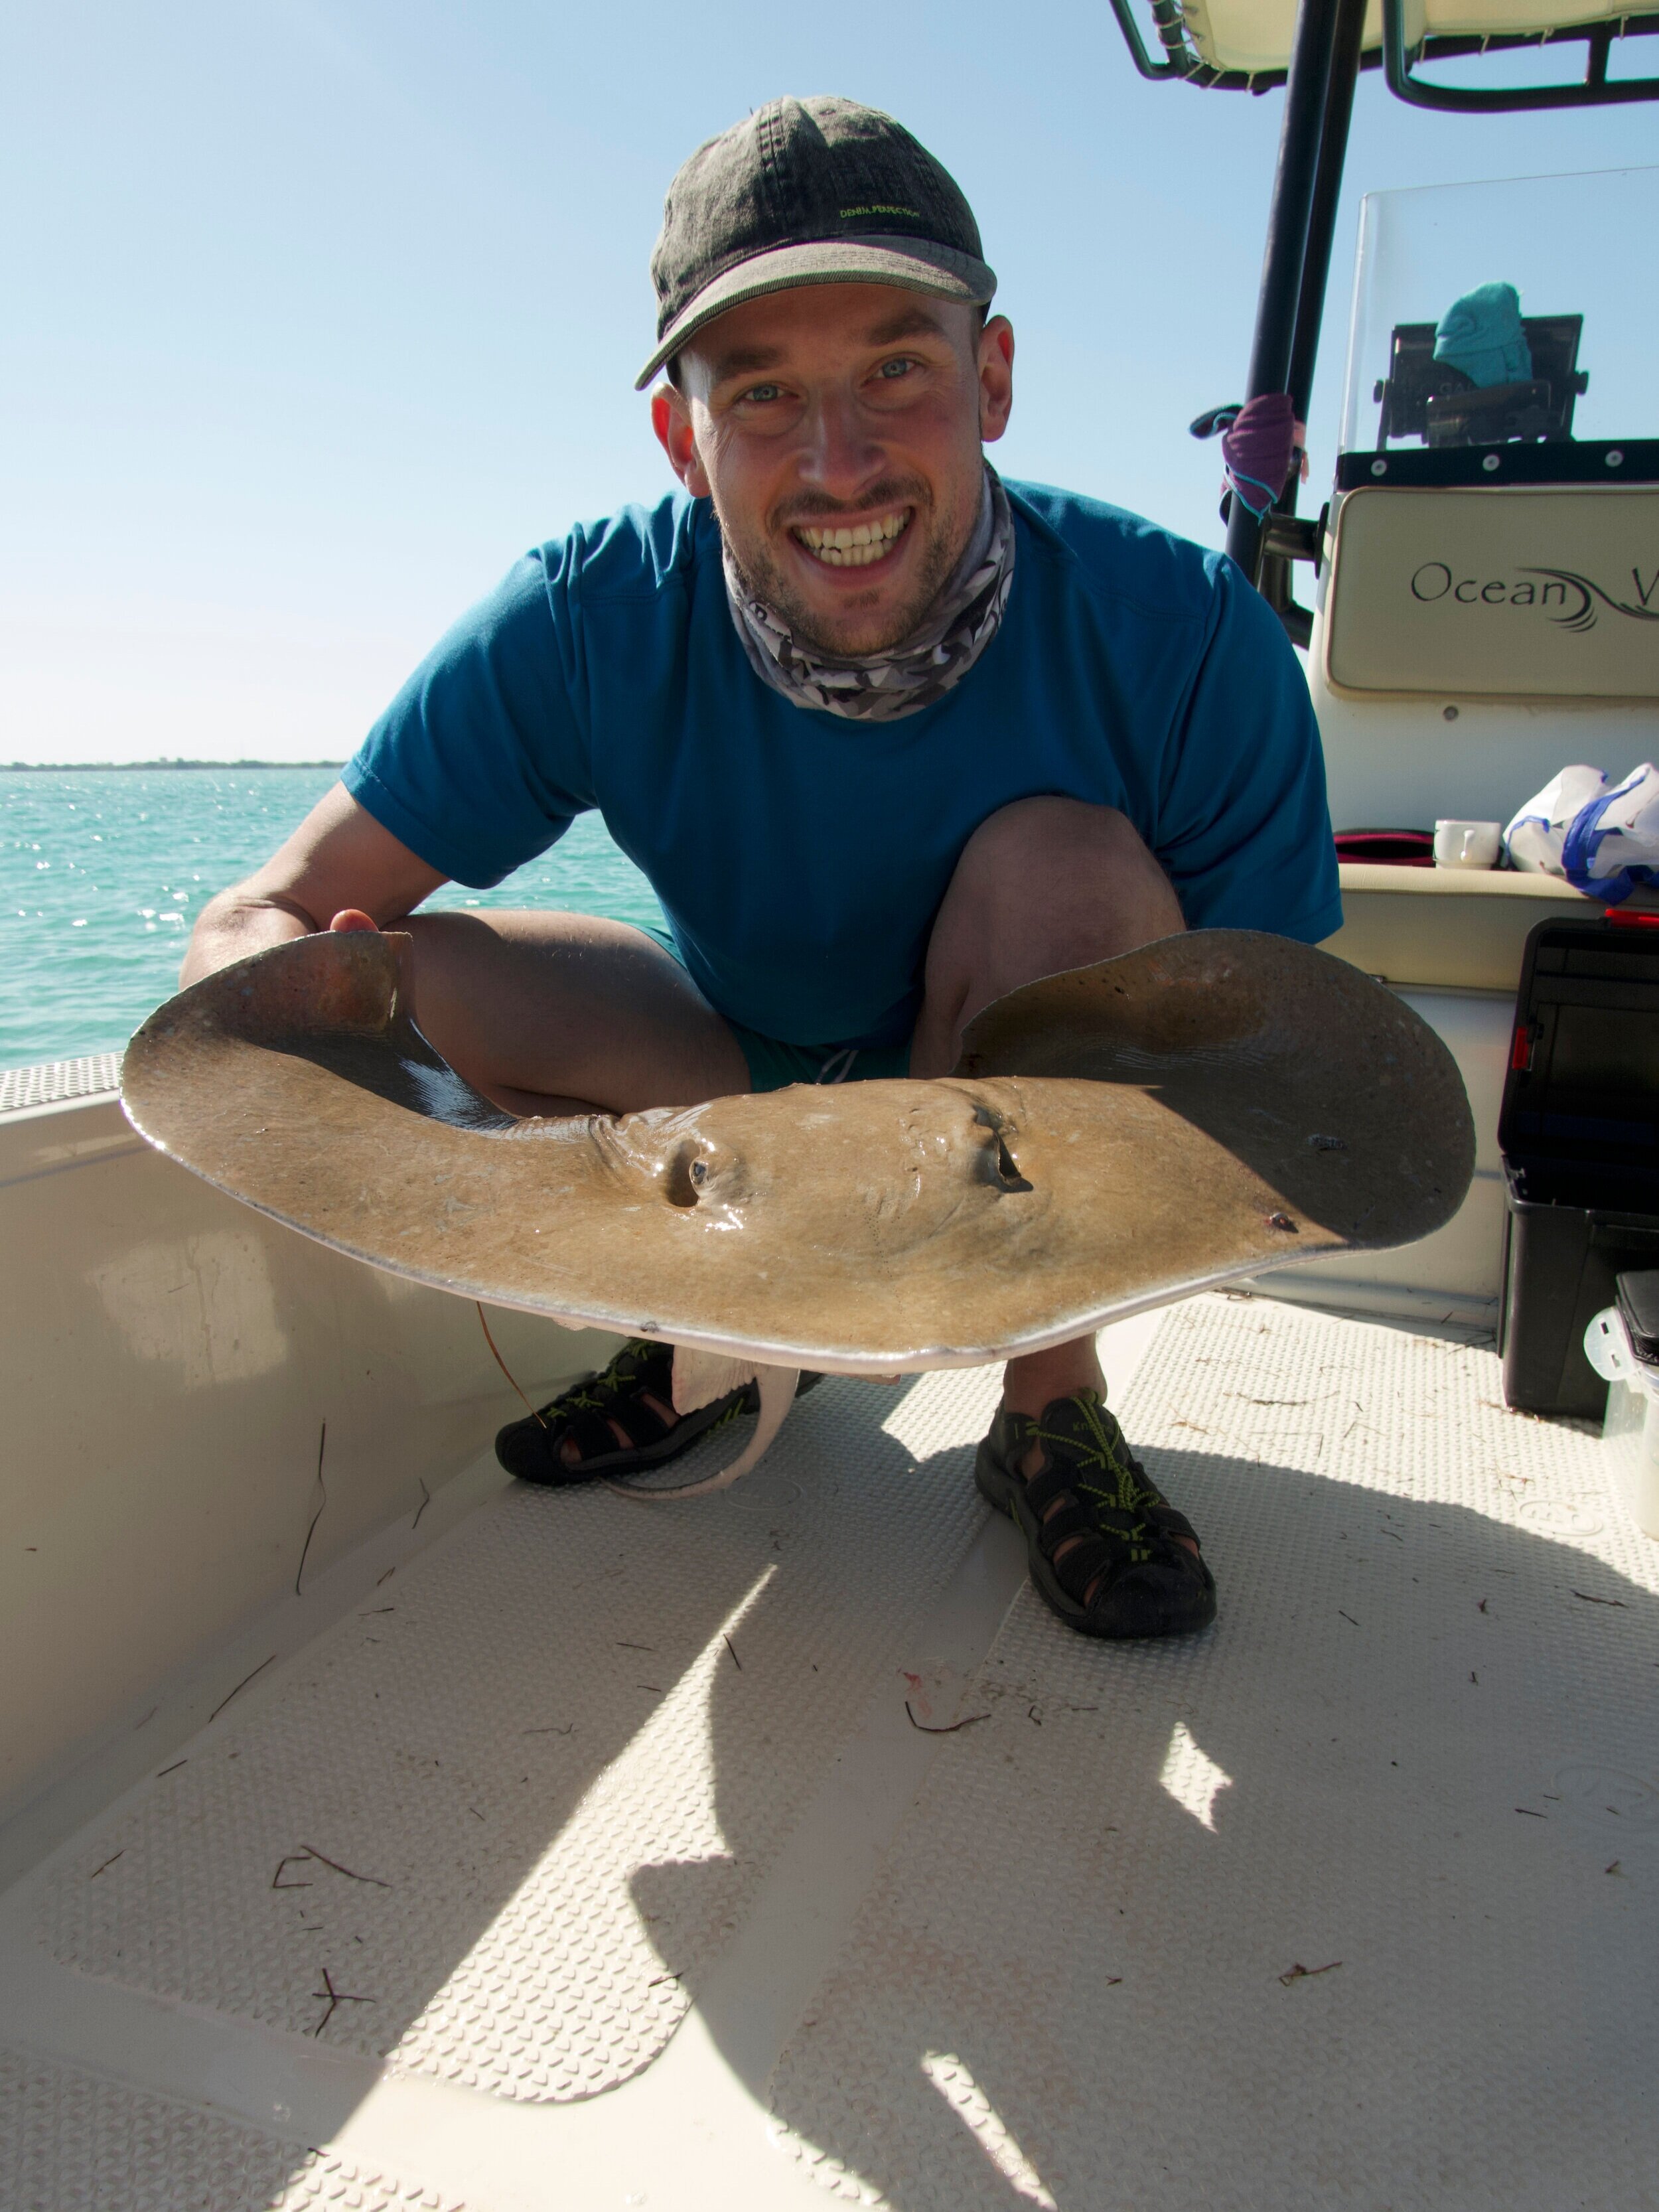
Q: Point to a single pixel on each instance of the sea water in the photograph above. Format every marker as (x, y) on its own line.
(103, 872)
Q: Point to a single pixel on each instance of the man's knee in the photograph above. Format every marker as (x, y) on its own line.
(1086, 867)
(1043, 884)
(1048, 825)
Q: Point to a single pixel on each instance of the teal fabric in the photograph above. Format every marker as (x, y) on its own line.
(801, 857)
(774, 1065)
(1481, 334)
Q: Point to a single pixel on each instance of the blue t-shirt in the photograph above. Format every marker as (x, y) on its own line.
(801, 857)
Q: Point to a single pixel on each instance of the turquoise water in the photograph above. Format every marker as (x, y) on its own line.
(102, 873)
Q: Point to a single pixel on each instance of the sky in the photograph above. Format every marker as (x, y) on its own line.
(315, 316)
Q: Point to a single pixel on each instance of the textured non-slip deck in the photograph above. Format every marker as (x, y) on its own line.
(55, 1082)
(498, 1825)
(71, 2141)
(1349, 1901)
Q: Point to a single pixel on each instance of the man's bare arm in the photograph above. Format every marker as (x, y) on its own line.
(338, 859)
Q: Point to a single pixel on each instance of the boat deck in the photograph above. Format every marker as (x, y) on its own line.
(724, 1854)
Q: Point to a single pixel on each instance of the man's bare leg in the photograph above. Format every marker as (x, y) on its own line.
(1043, 886)
(565, 1013)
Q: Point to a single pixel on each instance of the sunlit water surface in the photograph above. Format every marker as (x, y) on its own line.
(103, 872)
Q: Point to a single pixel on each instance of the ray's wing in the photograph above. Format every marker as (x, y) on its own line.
(1331, 1089)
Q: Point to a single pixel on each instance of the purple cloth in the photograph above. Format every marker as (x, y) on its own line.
(1259, 449)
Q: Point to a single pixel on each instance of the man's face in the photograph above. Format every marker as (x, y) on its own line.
(837, 430)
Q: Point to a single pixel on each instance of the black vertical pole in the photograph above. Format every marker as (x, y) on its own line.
(1327, 190)
(1274, 571)
(1282, 264)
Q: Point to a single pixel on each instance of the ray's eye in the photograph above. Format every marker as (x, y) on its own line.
(1008, 1173)
(683, 1178)
(1003, 1168)
(691, 1174)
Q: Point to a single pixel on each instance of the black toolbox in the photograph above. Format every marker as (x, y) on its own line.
(1639, 1309)
(1579, 1134)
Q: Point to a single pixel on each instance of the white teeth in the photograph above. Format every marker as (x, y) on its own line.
(853, 547)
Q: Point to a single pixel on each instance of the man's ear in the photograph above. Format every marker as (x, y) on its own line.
(996, 377)
(671, 419)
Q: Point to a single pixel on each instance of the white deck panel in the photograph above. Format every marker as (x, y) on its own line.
(1037, 1960)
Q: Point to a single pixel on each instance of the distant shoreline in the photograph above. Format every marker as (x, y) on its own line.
(122, 768)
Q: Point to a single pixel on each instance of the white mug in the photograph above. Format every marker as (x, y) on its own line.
(1466, 844)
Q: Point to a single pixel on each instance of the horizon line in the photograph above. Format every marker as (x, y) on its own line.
(61, 768)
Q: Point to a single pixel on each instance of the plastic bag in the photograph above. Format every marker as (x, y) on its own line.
(1602, 837)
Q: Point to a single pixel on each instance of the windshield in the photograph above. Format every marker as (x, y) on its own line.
(1521, 312)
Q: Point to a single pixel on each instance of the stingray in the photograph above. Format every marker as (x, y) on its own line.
(1112, 1139)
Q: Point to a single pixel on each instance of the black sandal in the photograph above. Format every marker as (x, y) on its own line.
(1125, 1572)
(532, 1449)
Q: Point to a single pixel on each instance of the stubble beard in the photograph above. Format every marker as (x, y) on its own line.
(861, 631)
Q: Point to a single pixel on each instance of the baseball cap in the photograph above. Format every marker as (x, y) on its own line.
(818, 191)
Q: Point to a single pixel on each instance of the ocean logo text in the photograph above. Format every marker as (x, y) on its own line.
(1562, 594)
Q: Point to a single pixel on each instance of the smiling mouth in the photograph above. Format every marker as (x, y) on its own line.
(857, 545)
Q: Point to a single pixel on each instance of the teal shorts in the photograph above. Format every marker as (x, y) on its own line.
(774, 1065)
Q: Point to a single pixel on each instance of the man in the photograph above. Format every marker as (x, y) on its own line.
(889, 738)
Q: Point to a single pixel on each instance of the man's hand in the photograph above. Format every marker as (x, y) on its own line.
(340, 870)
